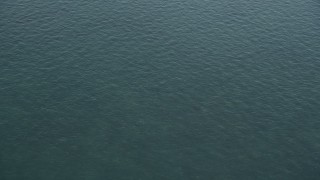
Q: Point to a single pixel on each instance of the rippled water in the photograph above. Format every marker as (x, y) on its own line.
(156, 90)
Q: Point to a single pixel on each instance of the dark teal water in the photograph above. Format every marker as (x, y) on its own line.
(159, 90)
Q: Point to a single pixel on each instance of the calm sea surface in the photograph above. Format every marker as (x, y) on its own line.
(160, 90)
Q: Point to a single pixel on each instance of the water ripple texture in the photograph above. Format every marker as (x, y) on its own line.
(159, 90)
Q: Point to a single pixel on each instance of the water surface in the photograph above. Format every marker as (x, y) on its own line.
(162, 90)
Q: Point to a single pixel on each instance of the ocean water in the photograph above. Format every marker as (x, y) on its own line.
(159, 90)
